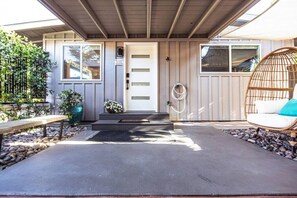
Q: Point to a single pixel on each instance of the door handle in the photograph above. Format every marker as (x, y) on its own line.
(127, 84)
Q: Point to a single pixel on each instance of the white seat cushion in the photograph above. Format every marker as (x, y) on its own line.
(270, 106)
(271, 120)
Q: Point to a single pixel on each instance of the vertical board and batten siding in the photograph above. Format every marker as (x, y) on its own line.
(210, 96)
(92, 91)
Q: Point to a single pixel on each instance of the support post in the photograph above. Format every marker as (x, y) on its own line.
(61, 129)
(44, 131)
(292, 141)
(1, 138)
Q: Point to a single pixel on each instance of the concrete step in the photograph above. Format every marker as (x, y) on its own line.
(117, 125)
(135, 116)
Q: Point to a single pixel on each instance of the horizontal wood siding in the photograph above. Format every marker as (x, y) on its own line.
(210, 96)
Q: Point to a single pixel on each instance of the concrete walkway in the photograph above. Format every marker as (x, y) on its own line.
(207, 162)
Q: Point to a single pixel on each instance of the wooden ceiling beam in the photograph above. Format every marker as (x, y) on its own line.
(235, 14)
(116, 5)
(63, 16)
(148, 18)
(179, 11)
(205, 15)
(93, 16)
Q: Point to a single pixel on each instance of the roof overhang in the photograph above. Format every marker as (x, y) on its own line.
(148, 19)
(34, 30)
(29, 18)
(36, 34)
(277, 23)
(33, 24)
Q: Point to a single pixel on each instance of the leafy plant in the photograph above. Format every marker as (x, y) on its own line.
(3, 117)
(69, 99)
(20, 108)
(23, 68)
(113, 106)
(23, 77)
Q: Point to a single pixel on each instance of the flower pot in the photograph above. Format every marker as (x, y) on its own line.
(76, 114)
(110, 111)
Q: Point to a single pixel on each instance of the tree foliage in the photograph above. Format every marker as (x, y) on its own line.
(23, 69)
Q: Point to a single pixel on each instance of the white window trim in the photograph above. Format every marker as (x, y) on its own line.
(81, 80)
(230, 58)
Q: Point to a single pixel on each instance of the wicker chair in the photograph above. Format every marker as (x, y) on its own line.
(274, 78)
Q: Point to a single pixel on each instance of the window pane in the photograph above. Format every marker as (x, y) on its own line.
(244, 57)
(71, 63)
(215, 58)
(91, 62)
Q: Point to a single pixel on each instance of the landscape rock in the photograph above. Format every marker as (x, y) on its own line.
(3, 155)
(19, 146)
(271, 141)
(251, 141)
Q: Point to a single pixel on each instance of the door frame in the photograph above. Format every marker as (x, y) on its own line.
(156, 63)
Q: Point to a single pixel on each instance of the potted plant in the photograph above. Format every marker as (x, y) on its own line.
(113, 106)
(71, 105)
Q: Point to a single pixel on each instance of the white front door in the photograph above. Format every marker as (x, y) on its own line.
(141, 77)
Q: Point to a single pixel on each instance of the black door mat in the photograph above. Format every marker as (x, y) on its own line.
(134, 121)
(137, 136)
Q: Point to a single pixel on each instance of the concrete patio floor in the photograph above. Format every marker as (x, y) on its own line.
(208, 163)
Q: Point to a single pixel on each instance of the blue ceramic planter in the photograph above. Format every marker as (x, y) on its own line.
(76, 113)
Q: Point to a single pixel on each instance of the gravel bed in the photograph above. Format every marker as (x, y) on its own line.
(271, 141)
(19, 146)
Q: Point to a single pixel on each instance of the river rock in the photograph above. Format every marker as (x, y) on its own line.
(289, 156)
(36, 146)
(30, 152)
(275, 142)
(245, 138)
(21, 142)
(3, 155)
(45, 139)
(282, 149)
(2, 162)
(251, 141)
(7, 158)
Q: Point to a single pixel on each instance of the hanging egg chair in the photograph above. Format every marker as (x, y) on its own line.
(273, 79)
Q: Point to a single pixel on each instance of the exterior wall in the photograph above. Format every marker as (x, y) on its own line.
(211, 96)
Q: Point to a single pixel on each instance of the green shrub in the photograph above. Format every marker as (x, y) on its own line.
(23, 69)
(69, 99)
(23, 76)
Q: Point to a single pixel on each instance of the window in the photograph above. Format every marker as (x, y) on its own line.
(229, 58)
(244, 57)
(215, 58)
(82, 62)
